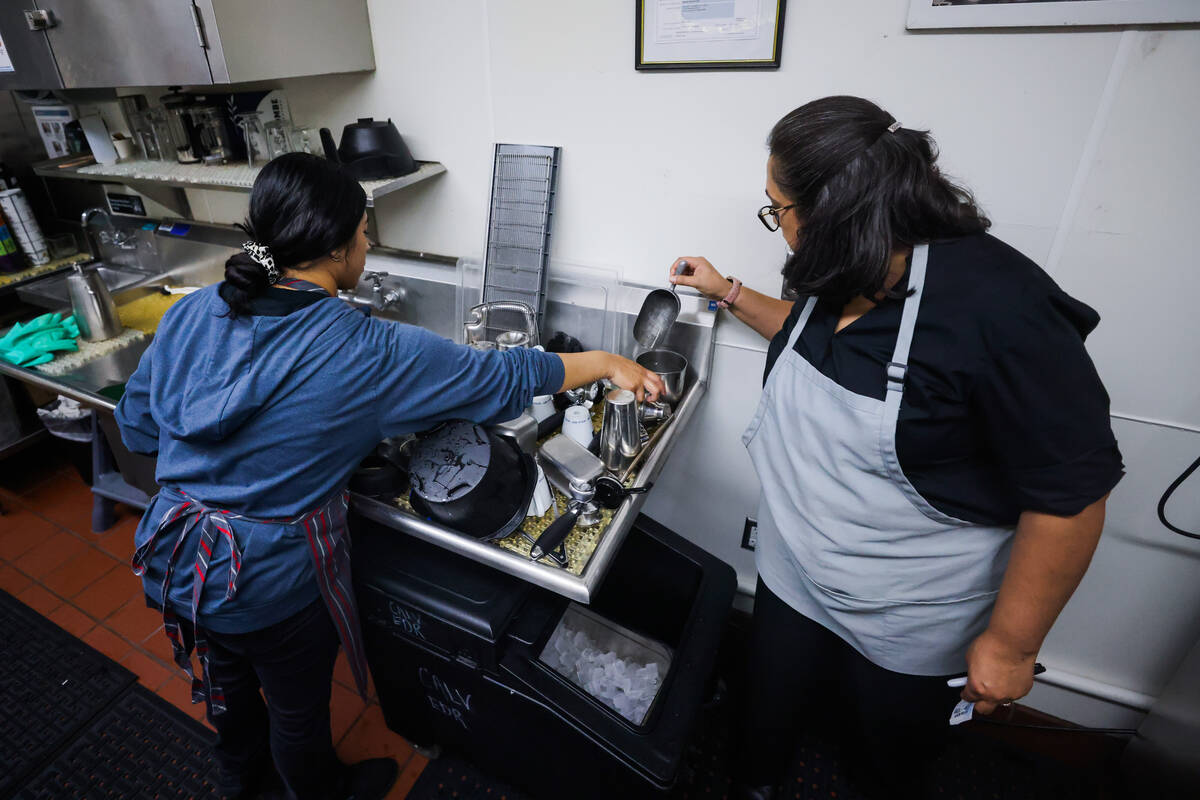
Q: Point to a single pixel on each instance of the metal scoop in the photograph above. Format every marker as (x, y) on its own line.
(659, 310)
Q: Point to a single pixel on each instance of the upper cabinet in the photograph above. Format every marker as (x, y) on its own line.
(78, 44)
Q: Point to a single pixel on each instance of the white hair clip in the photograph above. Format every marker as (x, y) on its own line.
(262, 256)
(895, 126)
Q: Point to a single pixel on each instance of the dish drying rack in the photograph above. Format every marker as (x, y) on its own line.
(524, 180)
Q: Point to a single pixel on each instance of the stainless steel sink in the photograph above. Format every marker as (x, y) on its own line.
(428, 304)
(51, 292)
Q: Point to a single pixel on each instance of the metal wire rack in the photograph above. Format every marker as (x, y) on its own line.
(524, 178)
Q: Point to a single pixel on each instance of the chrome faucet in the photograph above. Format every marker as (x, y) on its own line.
(84, 220)
(381, 299)
(126, 240)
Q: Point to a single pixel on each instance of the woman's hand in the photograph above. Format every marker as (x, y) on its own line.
(580, 369)
(997, 673)
(630, 375)
(698, 273)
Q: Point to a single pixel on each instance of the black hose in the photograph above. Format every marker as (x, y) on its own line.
(1162, 503)
(1056, 728)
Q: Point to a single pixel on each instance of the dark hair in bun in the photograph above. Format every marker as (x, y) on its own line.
(302, 207)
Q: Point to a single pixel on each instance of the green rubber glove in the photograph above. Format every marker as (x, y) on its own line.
(14, 334)
(22, 330)
(42, 359)
(36, 342)
(48, 341)
(23, 355)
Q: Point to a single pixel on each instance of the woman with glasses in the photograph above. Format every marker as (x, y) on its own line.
(260, 396)
(933, 444)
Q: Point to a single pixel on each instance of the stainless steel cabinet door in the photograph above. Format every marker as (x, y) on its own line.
(102, 43)
(32, 62)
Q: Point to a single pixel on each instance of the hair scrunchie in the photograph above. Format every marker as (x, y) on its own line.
(262, 256)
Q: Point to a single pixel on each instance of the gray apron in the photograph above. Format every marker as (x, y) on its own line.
(844, 538)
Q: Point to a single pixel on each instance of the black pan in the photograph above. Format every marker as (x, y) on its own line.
(470, 480)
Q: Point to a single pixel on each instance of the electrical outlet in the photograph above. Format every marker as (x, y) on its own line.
(750, 534)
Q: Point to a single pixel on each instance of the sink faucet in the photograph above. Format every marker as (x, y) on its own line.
(84, 219)
(379, 298)
(126, 240)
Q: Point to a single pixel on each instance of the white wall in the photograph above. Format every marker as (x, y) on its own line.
(1079, 143)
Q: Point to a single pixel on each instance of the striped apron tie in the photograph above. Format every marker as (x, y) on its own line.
(329, 546)
(301, 285)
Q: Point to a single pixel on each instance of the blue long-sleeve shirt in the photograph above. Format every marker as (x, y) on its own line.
(267, 415)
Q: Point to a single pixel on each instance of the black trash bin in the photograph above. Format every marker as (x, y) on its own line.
(456, 651)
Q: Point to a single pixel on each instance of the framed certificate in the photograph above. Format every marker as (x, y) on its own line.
(708, 34)
(1047, 13)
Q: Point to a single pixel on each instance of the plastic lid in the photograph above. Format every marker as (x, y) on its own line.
(450, 462)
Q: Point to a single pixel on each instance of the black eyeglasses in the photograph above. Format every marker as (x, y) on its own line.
(769, 216)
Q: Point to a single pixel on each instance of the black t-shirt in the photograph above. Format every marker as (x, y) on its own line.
(1003, 411)
(276, 301)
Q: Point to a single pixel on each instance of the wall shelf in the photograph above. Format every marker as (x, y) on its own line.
(225, 177)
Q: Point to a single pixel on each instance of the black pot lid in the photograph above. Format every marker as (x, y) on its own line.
(450, 462)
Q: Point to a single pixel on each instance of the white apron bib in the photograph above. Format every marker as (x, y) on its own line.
(844, 538)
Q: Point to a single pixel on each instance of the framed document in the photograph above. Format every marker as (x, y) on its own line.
(1047, 13)
(708, 34)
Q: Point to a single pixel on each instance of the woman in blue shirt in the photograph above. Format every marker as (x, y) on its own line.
(259, 397)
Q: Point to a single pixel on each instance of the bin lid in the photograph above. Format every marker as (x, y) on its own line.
(435, 582)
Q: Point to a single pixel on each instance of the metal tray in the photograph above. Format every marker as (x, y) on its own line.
(576, 587)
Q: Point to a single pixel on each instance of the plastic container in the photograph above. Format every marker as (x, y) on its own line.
(613, 664)
(61, 246)
(10, 254)
(19, 217)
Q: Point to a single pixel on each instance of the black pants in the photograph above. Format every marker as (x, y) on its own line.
(292, 663)
(804, 677)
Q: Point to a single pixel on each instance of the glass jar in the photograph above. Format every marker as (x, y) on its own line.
(278, 140)
(251, 126)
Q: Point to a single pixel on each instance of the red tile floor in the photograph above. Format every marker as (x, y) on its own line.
(51, 561)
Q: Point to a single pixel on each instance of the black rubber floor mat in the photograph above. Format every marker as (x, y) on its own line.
(453, 778)
(970, 769)
(141, 747)
(51, 686)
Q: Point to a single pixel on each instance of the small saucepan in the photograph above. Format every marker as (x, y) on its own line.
(671, 367)
(378, 477)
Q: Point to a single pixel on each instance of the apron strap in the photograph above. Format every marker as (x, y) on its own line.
(302, 285)
(138, 562)
(897, 368)
(181, 644)
(897, 372)
(800, 323)
(329, 545)
(210, 522)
